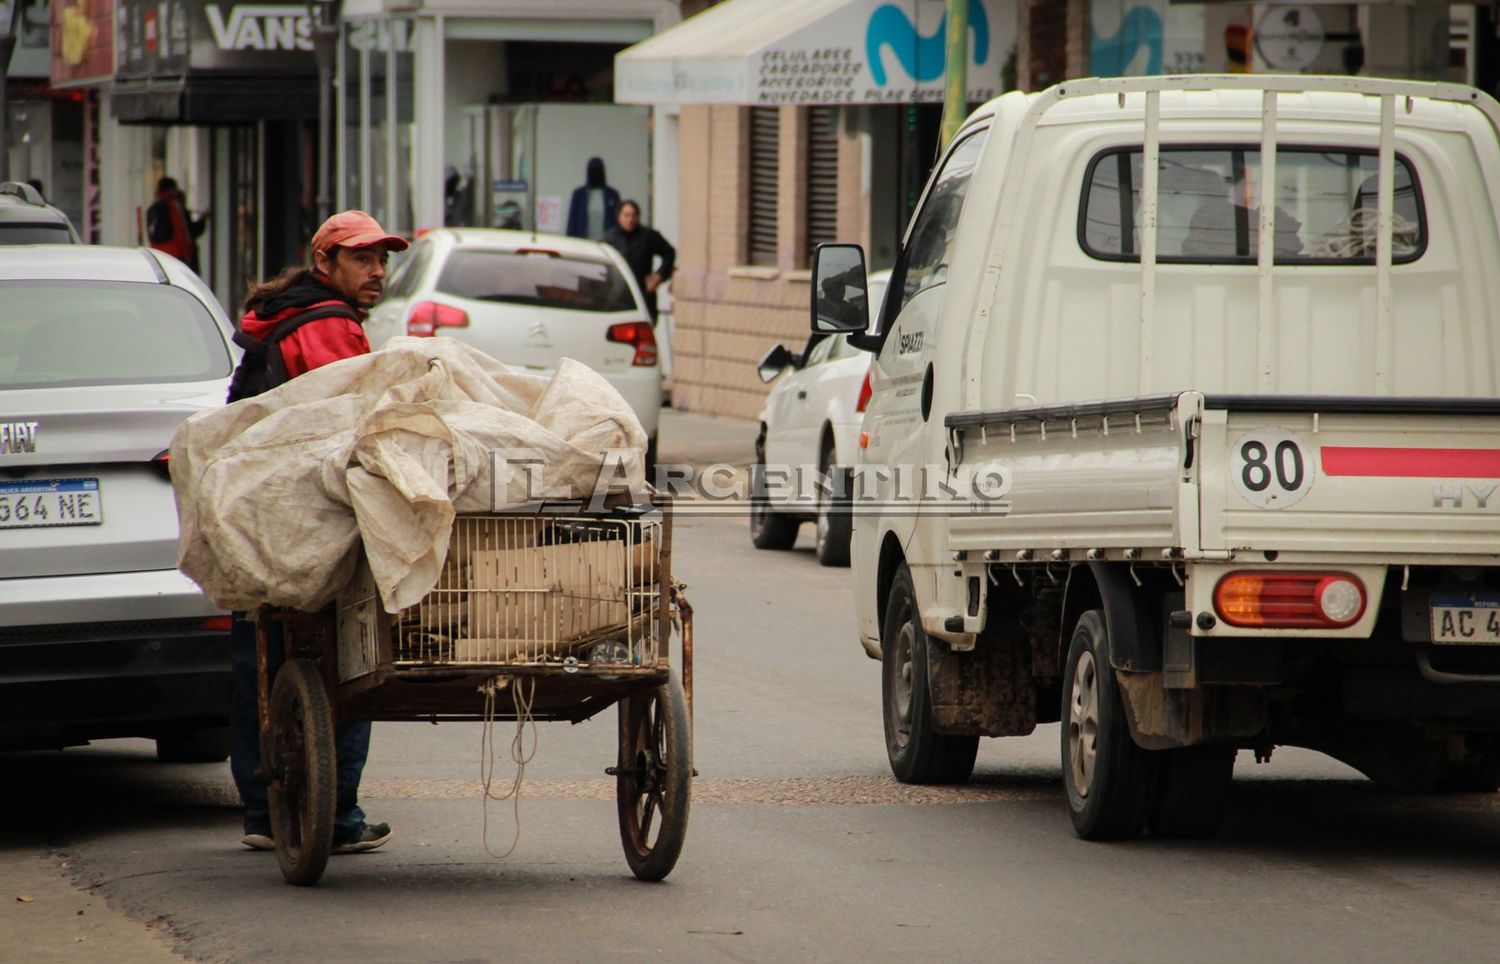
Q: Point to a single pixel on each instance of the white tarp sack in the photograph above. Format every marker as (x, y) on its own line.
(276, 493)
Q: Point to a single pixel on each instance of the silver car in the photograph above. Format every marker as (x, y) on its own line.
(103, 353)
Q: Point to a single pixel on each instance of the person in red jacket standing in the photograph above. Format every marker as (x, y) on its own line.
(305, 318)
(169, 228)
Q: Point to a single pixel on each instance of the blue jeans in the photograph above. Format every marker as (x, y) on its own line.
(351, 739)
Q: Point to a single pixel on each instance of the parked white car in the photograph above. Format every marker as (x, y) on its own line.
(103, 353)
(811, 421)
(529, 300)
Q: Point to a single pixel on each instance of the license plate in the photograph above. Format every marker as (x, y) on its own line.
(1466, 619)
(50, 502)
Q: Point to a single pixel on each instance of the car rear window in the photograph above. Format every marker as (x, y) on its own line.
(535, 278)
(34, 234)
(1208, 211)
(65, 333)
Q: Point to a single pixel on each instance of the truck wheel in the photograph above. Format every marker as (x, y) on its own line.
(769, 529)
(1110, 781)
(834, 522)
(1193, 791)
(918, 753)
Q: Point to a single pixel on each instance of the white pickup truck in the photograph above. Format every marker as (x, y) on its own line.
(1186, 469)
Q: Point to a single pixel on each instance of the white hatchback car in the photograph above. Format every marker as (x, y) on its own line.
(811, 422)
(103, 353)
(529, 300)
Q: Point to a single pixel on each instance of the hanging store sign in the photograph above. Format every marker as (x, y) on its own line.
(83, 42)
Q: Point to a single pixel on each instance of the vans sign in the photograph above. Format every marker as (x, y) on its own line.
(260, 27)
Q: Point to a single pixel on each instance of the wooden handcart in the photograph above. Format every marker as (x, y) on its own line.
(576, 610)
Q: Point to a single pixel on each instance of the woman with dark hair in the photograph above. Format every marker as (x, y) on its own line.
(642, 245)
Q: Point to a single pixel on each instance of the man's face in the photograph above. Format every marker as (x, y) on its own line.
(356, 273)
(629, 217)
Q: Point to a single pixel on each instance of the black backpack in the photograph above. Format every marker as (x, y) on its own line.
(262, 369)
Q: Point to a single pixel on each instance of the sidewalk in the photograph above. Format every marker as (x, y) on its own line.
(702, 440)
(46, 919)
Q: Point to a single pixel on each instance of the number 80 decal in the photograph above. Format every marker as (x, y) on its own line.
(1271, 468)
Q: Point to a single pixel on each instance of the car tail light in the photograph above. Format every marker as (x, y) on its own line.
(639, 335)
(426, 318)
(1290, 600)
(864, 394)
(162, 463)
(216, 624)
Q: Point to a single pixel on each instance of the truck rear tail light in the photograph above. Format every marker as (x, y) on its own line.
(162, 463)
(1290, 600)
(864, 394)
(640, 336)
(426, 318)
(216, 624)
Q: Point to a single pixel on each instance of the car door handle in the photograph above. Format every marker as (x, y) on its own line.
(802, 393)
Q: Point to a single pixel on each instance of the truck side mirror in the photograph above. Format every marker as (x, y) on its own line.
(777, 360)
(840, 292)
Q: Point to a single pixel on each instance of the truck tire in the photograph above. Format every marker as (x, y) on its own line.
(917, 752)
(1110, 781)
(1193, 791)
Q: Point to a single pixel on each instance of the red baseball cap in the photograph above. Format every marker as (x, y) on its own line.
(354, 229)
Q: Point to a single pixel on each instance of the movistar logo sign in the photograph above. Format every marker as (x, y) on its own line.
(260, 27)
(924, 58)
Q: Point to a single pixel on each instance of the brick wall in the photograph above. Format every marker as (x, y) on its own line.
(728, 315)
(1052, 42)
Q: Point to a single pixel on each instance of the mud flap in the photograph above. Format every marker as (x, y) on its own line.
(1161, 719)
(986, 691)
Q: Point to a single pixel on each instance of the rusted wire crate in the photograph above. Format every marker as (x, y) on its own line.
(524, 591)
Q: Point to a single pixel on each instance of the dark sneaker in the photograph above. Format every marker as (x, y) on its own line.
(258, 841)
(369, 836)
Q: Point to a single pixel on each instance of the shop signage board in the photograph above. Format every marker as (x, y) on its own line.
(816, 52)
(83, 42)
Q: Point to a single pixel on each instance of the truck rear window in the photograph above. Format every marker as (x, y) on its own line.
(1208, 209)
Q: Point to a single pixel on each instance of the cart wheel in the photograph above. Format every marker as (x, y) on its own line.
(654, 778)
(303, 772)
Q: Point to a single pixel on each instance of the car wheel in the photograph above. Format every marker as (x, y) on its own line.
(207, 745)
(834, 519)
(769, 529)
(1111, 782)
(1194, 788)
(917, 752)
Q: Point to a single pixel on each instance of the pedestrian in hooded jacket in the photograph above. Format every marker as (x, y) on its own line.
(642, 245)
(168, 226)
(594, 205)
(326, 303)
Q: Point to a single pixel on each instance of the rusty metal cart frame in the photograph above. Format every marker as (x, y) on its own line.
(545, 587)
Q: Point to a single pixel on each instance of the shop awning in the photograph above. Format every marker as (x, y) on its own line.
(814, 52)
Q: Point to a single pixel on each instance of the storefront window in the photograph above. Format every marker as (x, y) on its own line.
(376, 70)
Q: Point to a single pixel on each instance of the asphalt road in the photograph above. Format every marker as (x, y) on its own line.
(800, 846)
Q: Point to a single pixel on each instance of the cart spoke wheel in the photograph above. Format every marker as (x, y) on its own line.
(653, 778)
(303, 772)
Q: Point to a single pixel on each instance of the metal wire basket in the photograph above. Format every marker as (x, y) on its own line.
(574, 592)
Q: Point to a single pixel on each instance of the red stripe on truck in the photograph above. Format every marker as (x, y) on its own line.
(1411, 463)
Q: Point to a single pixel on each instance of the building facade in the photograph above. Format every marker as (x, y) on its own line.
(799, 124)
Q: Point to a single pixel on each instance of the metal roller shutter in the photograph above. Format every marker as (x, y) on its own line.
(765, 169)
(822, 177)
